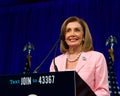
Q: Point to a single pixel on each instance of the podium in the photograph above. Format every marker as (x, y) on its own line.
(66, 83)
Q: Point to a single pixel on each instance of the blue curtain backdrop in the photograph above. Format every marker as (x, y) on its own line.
(40, 24)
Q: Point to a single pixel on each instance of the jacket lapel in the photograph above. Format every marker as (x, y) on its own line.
(84, 58)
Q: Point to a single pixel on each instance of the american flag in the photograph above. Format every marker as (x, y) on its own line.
(27, 65)
(113, 84)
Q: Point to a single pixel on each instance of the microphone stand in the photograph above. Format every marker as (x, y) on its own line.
(56, 69)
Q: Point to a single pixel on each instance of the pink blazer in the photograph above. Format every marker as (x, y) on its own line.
(91, 67)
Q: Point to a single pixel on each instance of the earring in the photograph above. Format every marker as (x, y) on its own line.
(83, 39)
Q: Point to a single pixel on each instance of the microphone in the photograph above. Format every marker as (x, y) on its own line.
(62, 37)
(55, 67)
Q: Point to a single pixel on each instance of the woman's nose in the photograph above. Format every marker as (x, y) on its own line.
(72, 32)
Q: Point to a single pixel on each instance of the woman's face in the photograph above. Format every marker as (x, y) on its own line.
(74, 34)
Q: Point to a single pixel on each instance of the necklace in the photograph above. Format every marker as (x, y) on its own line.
(73, 59)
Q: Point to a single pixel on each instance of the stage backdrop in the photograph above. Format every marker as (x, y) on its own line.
(40, 24)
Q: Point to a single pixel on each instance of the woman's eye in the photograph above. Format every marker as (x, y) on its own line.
(68, 30)
(77, 30)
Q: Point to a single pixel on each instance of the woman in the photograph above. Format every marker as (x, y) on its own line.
(78, 55)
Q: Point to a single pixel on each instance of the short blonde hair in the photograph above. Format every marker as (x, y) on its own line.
(87, 43)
